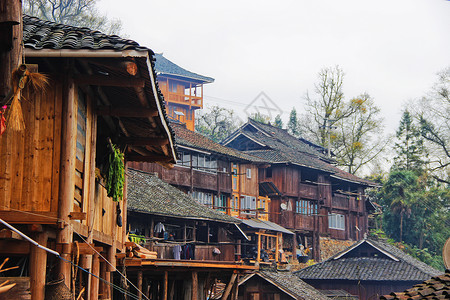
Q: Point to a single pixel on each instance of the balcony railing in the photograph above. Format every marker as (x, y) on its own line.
(180, 98)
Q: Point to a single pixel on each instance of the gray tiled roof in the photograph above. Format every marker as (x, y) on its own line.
(166, 67)
(289, 282)
(149, 194)
(381, 268)
(281, 147)
(186, 137)
(39, 34)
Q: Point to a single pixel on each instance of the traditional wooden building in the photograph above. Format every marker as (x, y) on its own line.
(101, 89)
(368, 269)
(216, 176)
(313, 196)
(276, 285)
(196, 246)
(182, 90)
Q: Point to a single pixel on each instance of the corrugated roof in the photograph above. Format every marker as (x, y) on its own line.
(391, 265)
(260, 224)
(166, 67)
(149, 194)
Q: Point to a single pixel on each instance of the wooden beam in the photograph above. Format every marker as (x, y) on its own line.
(148, 158)
(38, 264)
(102, 80)
(122, 66)
(139, 284)
(194, 285)
(165, 285)
(258, 258)
(74, 215)
(18, 217)
(144, 141)
(93, 293)
(227, 291)
(130, 112)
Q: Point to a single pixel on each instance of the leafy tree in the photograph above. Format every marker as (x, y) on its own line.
(434, 118)
(261, 118)
(410, 149)
(399, 193)
(292, 125)
(81, 13)
(216, 123)
(278, 122)
(358, 138)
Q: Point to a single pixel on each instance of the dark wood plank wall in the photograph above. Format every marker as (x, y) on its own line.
(30, 160)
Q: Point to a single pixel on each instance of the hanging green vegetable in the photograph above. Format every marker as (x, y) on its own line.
(116, 174)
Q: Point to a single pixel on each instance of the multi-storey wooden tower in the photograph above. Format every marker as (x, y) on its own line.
(182, 90)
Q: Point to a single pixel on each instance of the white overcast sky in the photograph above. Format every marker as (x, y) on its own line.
(391, 49)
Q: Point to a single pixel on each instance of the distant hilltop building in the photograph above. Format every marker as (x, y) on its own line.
(182, 90)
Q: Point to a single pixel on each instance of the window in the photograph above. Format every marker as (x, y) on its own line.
(248, 205)
(306, 207)
(269, 172)
(262, 203)
(220, 202)
(234, 203)
(249, 173)
(336, 221)
(203, 198)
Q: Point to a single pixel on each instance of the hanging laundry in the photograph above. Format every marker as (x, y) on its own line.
(177, 252)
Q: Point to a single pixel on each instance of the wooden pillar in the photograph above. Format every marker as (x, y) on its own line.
(172, 290)
(227, 291)
(67, 175)
(93, 292)
(165, 285)
(194, 285)
(139, 284)
(38, 264)
(258, 257)
(277, 253)
(107, 291)
(124, 206)
(10, 43)
(235, 291)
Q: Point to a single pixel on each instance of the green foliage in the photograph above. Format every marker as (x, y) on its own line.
(261, 118)
(216, 123)
(116, 174)
(292, 125)
(409, 147)
(416, 213)
(278, 122)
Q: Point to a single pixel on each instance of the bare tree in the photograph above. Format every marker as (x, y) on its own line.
(434, 117)
(327, 104)
(81, 13)
(216, 122)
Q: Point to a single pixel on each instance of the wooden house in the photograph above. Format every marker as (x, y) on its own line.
(309, 194)
(182, 90)
(101, 88)
(196, 246)
(368, 269)
(276, 285)
(216, 176)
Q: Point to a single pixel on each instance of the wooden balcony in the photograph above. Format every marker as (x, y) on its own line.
(180, 98)
(309, 191)
(202, 252)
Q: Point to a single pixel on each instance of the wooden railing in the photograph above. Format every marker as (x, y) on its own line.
(180, 98)
(202, 252)
(340, 201)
